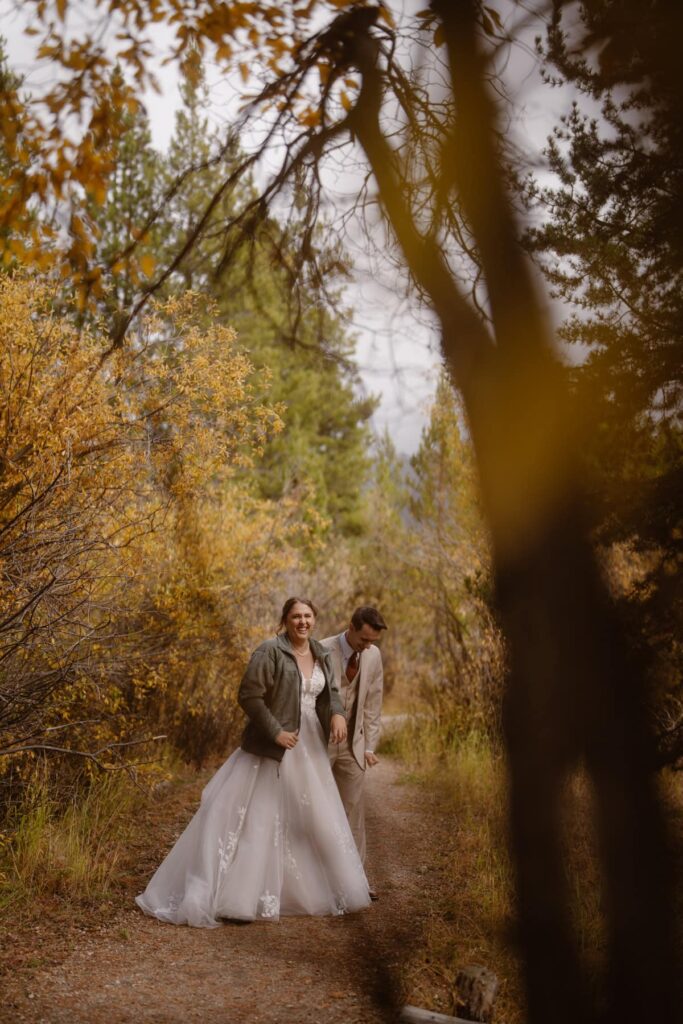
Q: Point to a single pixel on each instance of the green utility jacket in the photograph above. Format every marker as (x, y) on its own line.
(270, 694)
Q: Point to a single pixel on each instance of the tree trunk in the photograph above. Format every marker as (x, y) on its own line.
(571, 694)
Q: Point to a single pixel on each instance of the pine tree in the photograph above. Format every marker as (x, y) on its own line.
(132, 197)
(610, 245)
(283, 319)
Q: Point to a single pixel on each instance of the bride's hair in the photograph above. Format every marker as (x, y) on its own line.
(289, 604)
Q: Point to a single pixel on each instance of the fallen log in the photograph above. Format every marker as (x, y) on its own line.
(415, 1015)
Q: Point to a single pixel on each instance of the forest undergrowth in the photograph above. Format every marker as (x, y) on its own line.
(74, 849)
(474, 922)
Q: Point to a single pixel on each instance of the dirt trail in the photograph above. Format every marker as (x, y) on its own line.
(338, 970)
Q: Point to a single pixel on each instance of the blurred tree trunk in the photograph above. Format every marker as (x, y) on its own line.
(571, 693)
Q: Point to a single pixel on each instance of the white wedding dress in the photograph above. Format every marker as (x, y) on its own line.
(269, 839)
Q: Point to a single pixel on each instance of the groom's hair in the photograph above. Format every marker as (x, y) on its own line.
(369, 616)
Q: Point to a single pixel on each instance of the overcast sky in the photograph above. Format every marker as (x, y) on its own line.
(397, 348)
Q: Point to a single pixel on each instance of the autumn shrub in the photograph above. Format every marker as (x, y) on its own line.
(216, 596)
(129, 541)
(643, 577)
(425, 561)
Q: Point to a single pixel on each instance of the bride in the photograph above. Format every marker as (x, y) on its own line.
(270, 836)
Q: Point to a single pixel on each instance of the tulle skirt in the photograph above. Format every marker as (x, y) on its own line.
(268, 839)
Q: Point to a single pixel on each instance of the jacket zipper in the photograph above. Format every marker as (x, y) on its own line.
(298, 726)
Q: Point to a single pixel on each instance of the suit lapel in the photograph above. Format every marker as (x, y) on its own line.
(337, 662)
(362, 678)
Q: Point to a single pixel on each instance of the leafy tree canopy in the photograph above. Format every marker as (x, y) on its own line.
(283, 311)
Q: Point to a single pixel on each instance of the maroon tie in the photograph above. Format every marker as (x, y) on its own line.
(352, 667)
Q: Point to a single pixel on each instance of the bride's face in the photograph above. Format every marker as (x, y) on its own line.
(299, 623)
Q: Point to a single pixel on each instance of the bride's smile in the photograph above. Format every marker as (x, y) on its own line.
(301, 621)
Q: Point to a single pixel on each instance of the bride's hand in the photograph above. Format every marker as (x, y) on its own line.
(338, 729)
(287, 739)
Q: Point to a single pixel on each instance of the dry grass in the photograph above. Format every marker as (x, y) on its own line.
(471, 919)
(473, 914)
(64, 858)
(70, 849)
(67, 870)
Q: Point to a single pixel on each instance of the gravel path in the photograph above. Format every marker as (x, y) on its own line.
(339, 970)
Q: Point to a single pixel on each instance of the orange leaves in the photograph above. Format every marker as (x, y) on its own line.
(310, 118)
(60, 141)
(386, 16)
(78, 229)
(173, 412)
(147, 264)
(145, 517)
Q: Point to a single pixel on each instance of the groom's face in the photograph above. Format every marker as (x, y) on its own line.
(362, 638)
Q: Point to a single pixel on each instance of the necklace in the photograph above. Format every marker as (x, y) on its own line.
(303, 655)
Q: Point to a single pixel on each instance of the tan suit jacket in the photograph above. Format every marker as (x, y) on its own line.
(366, 722)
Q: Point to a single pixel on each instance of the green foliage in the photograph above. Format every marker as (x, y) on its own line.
(284, 313)
(285, 319)
(607, 251)
(610, 245)
(132, 195)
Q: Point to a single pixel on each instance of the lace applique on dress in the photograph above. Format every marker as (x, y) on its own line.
(269, 905)
(226, 850)
(310, 688)
(174, 901)
(344, 840)
(290, 859)
(341, 903)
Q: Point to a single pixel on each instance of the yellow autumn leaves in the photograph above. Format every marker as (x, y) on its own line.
(58, 142)
(129, 538)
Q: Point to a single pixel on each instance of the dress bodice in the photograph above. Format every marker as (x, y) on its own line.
(310, 688)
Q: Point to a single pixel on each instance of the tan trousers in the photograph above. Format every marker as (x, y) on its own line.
(349, 777)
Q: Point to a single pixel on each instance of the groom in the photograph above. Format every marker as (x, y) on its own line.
(357, 666)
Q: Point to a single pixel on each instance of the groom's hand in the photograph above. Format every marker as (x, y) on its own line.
(371, 759)
(338, 729)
